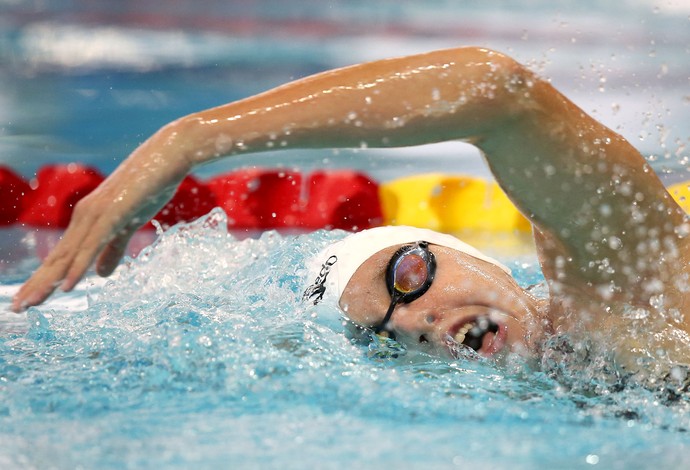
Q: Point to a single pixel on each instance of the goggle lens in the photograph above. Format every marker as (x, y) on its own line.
(410, 273)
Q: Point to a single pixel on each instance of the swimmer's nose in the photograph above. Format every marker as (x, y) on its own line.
(416, 324)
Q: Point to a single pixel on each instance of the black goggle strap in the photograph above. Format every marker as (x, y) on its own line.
(382, 327)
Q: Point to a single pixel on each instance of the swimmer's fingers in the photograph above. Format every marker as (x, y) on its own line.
(49, 275)
(34, 291)
(112, 253)
(114, 249)
(100, 233)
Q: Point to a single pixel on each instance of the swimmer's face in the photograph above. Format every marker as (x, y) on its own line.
(470, 304)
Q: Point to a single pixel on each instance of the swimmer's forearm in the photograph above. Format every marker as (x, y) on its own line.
(444, 95)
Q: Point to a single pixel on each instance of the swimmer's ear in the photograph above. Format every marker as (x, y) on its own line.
(112, 254)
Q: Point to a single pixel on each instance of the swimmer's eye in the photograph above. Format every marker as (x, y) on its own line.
(409, 275)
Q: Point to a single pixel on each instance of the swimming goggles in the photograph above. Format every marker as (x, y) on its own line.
(409, 275)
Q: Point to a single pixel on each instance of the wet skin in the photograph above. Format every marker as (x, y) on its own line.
(608, 235)
(464, 289)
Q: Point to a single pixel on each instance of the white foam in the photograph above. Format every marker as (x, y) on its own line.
(73, 301)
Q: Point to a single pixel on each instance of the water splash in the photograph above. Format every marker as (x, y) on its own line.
(209, 330)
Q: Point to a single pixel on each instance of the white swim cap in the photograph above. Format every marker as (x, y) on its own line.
(334, 266)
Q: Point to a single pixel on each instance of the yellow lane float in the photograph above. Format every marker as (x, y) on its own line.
(449, 203)
(681, 193)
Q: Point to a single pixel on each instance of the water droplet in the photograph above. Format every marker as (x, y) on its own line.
(605, 210)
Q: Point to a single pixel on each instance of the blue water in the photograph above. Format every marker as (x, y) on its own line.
(199, 353)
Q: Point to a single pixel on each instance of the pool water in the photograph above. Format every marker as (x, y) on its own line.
(199, 352)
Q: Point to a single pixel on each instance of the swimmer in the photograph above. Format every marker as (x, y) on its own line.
(611, 242)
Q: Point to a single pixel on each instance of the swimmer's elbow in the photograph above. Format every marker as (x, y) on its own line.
(493, 88)
(502, 65)
(511, 79)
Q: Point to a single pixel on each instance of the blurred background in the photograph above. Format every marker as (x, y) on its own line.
(88, 80)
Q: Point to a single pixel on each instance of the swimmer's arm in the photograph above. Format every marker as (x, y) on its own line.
(444, 95)
(535, 140)
(395, 102)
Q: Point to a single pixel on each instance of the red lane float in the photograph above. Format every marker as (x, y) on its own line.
(345, 199)
(252, 198)
(255, 198)
(13, 190)
(56, 190)
(191, 200)
(287, 199)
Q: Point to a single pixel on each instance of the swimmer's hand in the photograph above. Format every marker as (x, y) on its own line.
(104, 221)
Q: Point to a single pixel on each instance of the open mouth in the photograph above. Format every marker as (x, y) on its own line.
(481, 334)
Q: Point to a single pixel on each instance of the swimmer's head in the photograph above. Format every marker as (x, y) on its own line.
(339, 261)
(448, 296)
